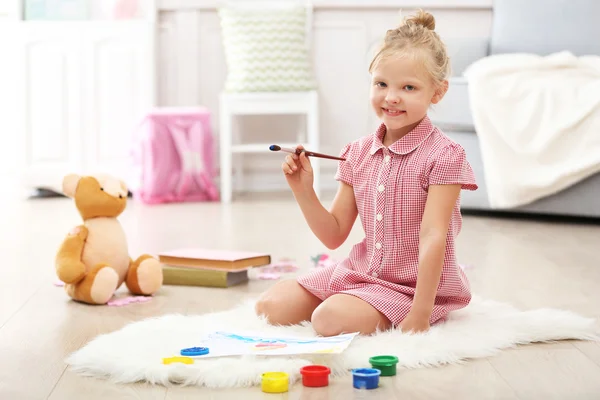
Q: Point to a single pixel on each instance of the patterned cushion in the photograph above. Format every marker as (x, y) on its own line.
(265, 50)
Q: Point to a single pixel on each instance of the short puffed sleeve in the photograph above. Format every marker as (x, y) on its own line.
(344, 171)
(450, 167)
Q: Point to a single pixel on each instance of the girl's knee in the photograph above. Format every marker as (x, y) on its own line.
(272, 306)
(286, 303)
(342, 314)
(326, 321)
(264, 307)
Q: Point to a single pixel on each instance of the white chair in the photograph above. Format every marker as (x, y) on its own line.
(266, 103)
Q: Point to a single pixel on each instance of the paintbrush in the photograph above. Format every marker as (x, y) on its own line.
(275, 147)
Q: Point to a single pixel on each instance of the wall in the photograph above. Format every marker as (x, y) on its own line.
(191, 71)
(192, 68)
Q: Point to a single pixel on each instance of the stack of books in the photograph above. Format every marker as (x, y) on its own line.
(213, 268)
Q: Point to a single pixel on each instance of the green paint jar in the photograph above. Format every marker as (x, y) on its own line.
(386, 364)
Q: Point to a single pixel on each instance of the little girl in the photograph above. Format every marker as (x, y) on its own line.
(404, 182)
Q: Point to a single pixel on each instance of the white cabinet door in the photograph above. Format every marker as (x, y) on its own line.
(119, 89)
(48, 100)
(12, 154)
(80, 90)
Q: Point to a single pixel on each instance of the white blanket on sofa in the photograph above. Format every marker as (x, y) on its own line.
(538, 122)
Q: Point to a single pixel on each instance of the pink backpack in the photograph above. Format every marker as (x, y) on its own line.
(173, 157)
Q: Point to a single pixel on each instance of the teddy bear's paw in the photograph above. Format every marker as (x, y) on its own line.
(149, 276)
(104, 286)
(81, 231)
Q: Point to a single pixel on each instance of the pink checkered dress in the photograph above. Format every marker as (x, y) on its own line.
(390, 186)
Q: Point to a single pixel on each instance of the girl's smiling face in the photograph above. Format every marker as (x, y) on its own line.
(401, 93)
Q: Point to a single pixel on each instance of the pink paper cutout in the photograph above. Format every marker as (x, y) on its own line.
(119, 302)
(281, 266)
(275, 270)
(268, 276)
(115, 301)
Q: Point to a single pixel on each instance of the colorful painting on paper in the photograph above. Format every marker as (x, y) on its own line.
(222, 344)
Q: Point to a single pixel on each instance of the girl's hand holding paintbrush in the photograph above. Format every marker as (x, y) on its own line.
(298, 171)
(297, 168)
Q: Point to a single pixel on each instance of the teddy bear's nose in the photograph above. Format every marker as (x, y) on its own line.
(120, 196)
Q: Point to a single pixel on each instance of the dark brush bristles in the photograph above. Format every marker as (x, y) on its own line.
(274, 147)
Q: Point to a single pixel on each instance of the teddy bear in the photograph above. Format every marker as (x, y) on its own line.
(93, 260)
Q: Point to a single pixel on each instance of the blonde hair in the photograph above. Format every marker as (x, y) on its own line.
(417, 33)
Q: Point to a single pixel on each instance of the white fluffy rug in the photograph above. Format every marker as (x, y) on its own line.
(135, 352)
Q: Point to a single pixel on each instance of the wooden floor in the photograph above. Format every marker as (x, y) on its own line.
(527, 263)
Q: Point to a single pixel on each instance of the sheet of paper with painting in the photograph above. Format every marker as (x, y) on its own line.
(222, 344)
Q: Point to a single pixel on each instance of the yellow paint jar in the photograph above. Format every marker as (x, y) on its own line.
(275, 382)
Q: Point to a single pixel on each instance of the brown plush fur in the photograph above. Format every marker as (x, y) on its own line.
(93, 260)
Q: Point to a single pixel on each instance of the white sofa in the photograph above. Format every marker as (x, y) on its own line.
(533, 26)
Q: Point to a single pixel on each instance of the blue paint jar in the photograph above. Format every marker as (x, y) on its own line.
(365, 378)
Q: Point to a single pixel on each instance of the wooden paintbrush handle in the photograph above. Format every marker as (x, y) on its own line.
(320, 155)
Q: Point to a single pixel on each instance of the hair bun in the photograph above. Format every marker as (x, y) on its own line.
(422, 18)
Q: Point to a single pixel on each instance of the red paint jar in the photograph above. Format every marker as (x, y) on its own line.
(315, 375)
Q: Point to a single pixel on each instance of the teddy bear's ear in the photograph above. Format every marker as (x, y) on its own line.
(69, 185)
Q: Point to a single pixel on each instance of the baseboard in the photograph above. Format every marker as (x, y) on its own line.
(252, 181)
